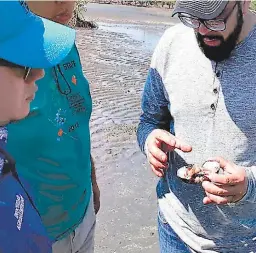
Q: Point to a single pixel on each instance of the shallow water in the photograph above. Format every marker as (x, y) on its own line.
(129, 13)
(148, 36)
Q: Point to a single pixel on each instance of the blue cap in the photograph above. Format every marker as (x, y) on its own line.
(29, 40)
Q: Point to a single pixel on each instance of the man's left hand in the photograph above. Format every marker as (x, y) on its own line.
(226, 188)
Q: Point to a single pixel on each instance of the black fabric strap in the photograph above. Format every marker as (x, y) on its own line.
(10, 166)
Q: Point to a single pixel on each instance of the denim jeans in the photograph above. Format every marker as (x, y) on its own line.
(168, 239)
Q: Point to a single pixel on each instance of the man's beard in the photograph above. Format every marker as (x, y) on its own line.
(223, 51)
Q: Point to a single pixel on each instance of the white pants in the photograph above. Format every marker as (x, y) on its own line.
(82, 239)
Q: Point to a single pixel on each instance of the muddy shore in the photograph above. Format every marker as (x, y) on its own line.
(116, 58)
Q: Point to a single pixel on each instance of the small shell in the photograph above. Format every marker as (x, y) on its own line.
(182, 172)
(193, 173)
(212, 166)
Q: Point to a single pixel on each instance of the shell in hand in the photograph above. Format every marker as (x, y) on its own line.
(194, 173)
(211, 166)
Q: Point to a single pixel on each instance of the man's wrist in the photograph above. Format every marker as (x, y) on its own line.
(250, 195)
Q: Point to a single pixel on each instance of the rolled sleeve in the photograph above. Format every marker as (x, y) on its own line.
(250, 195)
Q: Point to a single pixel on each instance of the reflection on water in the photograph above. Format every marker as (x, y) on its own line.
(149, 37)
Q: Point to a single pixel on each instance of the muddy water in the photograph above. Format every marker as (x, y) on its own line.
(116, 58)
(129, 13)
(148, 37)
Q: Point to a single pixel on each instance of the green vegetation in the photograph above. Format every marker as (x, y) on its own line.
(253, 5)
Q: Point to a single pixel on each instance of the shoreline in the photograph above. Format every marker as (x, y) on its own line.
(165, 4)
(143, 3)
(123, 14)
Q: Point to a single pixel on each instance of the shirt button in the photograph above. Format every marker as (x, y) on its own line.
(212, 106)
(218, 74)
(215, 90)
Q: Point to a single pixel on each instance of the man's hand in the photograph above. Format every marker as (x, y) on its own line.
(226, 188)
(158, 143)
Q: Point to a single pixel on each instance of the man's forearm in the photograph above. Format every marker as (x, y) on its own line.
(93, 172)
(95, 188)
(155, 108)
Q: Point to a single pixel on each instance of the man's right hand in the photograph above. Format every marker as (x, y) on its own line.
(157, 144)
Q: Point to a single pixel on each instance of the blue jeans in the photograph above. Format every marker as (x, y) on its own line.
(169, 241)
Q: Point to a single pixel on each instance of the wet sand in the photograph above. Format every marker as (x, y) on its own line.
(116, 59)
(129, 14)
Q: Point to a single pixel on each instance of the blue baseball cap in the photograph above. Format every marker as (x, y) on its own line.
(29, 40)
